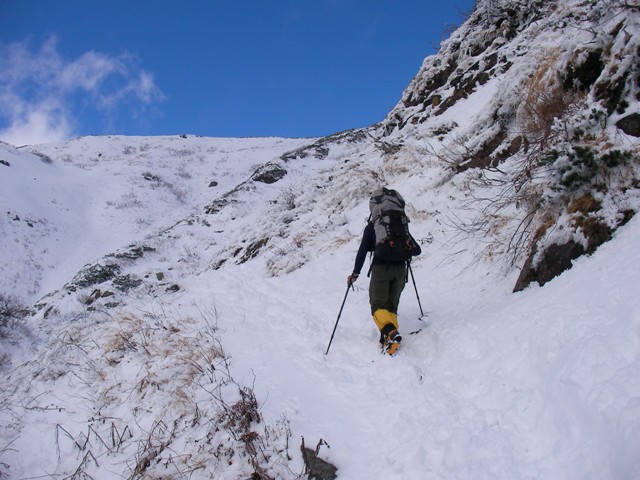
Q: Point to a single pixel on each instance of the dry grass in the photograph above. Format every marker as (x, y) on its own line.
(544, 102)
(165, 400)
(584, 204)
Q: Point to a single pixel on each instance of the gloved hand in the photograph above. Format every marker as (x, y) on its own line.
(352, 278)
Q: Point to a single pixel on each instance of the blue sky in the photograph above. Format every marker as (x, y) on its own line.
(230, 68)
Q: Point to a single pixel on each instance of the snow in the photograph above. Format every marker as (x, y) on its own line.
(539, 384)
(111, 210)
(152, 374)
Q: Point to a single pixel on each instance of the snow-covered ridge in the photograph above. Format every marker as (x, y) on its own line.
(86, 198)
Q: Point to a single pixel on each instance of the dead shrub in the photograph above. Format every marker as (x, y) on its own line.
(546, 100)
(544, 225)
(11, 312)
(584, 204)
(595, 231)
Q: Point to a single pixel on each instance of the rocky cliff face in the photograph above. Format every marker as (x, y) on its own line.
(558, 131)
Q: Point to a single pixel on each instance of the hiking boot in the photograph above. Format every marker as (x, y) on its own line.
(392, 342)
(385, 331)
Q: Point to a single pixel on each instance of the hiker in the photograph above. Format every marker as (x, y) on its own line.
(392, 250)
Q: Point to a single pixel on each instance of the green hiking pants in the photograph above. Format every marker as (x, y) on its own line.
(386, 285)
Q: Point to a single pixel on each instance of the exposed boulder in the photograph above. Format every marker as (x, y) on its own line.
(96, 274)
(315, 467)
(630, 124)
(555, 260)
(269, 173)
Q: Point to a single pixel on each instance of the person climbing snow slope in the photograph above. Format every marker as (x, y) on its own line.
(387, 236)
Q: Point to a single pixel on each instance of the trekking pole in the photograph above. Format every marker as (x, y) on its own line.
(336, 325)
(416, 289)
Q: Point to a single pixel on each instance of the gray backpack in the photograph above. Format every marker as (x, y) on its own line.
(391, 226)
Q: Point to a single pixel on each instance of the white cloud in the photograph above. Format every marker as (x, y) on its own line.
(42, 93)
(40, 125)
(89, 71)
(146, 88)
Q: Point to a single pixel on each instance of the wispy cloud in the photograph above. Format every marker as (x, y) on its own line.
(41, 93)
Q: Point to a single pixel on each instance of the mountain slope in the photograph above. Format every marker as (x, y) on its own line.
(543, 98)
(103, 193)
(542, 383)
(192, 342)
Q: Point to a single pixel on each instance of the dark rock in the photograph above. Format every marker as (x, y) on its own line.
(151, 177)
(216, 206)
(483, 158)
(583, 76)
(527, 274)
(315, 467)
(596, 232)
(126, 282)
(95, 274)
(253, 250)
(626, 215)
(269, 173)
(436, 81)
(134, 252)
(610, 94)
(555, 260)
(94, 296)
(630, 124)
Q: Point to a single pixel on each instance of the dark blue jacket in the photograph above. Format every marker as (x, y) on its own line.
(368, 244)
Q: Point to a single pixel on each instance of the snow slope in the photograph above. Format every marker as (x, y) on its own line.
(181, 307)
(540, 384)
(76, 212)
